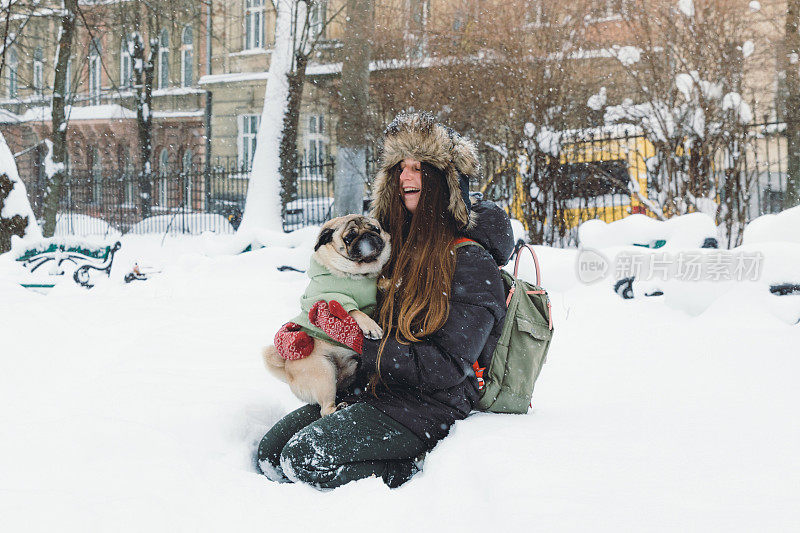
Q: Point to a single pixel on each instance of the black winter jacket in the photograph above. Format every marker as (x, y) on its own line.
(432, 383)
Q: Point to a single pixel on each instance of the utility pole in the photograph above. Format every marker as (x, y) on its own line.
(354, 92)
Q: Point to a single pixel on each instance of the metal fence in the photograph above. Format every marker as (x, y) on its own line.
(611, 173)
(187, 202)
(192, 202)
(591, 177)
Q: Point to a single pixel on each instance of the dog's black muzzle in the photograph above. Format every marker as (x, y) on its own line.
(366, 247)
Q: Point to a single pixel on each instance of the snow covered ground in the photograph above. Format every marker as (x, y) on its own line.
(138, 408)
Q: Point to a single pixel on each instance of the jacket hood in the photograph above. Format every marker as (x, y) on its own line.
(492, 230)
(419, 136)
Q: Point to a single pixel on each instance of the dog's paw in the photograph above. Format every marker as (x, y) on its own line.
(373, 333)
(369, 327)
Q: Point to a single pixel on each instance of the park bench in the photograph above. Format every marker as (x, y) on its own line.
(49, 257)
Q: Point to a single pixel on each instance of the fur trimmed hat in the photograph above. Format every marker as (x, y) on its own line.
(418, 136)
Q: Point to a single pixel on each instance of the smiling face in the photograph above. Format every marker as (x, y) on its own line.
(410, 183)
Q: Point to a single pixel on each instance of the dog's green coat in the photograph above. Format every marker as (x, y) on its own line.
(352, 292)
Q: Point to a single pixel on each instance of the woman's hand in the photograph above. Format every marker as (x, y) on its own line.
(292, 343)
(337, 324)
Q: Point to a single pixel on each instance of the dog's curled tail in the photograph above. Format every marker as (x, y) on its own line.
(274, 362)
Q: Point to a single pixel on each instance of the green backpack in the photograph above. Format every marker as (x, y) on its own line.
(522, 348)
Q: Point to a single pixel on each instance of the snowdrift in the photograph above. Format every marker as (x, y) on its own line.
(139, 406)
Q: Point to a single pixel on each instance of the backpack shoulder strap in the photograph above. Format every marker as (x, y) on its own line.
(464, 241)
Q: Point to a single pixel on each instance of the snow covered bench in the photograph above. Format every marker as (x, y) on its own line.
(695, 230)
(49, 257)
(691, 231)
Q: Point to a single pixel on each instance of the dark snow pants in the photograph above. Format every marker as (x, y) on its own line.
(353, 443)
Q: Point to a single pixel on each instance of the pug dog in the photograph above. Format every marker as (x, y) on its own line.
(348, 257)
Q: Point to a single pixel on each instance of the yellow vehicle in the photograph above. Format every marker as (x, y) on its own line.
(594, 178)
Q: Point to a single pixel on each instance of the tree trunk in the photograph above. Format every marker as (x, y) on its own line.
(52, 194)
(143, 73)
(263, 205)
(791, 65)
(354, 92)
(288, 150)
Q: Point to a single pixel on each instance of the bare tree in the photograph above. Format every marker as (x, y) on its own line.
(311, 25)
(142, 23)
(56, 170)
(274, 175)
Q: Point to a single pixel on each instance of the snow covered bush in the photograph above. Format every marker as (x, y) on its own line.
(11, 223)
(16, 216)
(688, 86)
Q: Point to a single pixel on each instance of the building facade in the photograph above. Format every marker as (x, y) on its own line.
(103, 131)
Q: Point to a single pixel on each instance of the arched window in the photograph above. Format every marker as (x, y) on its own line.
(97, 177)
(163, 169)
(38, 71)
(125, 64)
(125, 170)
(187, 57)
(187, 161)
(163, 60)
(13, 65)
(95, 50)
(68, 181)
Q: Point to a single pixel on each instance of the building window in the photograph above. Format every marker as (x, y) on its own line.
(253, 24)
(68, 80)
(535, 14)
(125, 65)
(609, 8)
(316, 147)
(317, 18)
(94, 72)
(68, 183)
(187, 161)
(13, 65)
(419, 13)
(416, 37)
(97, 177)
(187, 177)
(248, 130)
(163, 169)
(125, 166)
(38, 72)
(129, 192)
(163, 60)
(187, 57)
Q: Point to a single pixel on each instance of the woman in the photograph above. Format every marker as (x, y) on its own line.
(441, 308)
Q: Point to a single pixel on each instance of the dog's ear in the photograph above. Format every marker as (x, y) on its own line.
(325, 237)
